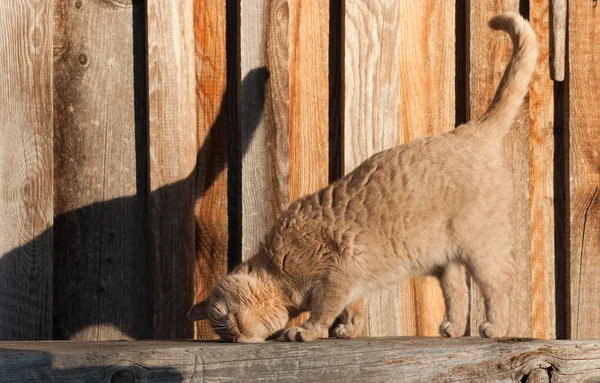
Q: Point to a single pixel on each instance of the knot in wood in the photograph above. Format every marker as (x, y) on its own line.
(78, 4)
(122, 376)
(83, 59)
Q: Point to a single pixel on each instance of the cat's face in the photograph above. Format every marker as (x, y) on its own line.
(243, 308)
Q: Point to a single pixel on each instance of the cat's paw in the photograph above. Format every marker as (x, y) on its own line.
(346, 331)
(492, 330)
(451, 330)
(298, 334)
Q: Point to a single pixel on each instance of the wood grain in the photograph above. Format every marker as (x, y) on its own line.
(361, 360)
(211, 210)
(297, 111)
(583, 203)
(308, 97)
(259, 197)
(371, 117)
(541, 128)
(26, 195)
(101, 269)
(308, 100)
(427, 68)
(558, 36)
(488, 55)
(173, 151)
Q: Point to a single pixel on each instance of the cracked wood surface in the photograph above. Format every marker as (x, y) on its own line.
(583, 141)
(361, 360)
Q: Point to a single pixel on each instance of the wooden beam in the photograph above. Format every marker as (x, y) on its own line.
(211, 210)
(427, 69)
(359, 360)
(100, 239)
(173, 155)
(371, 119)
(541, 185)
(26, 195)
(583, 166)
(488, 55)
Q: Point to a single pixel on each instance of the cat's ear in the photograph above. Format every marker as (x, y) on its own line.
(198, 311)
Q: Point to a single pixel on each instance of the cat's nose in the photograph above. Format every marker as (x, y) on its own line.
(233, 337)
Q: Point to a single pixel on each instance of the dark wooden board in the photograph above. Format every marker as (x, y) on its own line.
(100, 263)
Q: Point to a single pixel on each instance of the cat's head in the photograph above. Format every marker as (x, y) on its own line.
(244, 307)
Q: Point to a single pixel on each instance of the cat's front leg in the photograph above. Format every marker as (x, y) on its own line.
(326, 304)
(349, 323)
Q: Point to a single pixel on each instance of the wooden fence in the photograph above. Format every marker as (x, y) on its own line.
(146, 147)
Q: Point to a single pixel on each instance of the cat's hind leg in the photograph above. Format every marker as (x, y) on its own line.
(453, 280)
(493, 270)
(349, 323)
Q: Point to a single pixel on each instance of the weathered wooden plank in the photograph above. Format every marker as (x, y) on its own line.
(100, 243)
(427, 64)
(360, 360)
(488, 55)
(371, 118)
(541, 127)
(211, 210)
(173, 152)
(26, 195)
(558, 36)
(263, 192)
(583, 204)
(297, 100)
(308, 97)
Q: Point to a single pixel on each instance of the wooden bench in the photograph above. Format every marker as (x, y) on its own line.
(413, 359)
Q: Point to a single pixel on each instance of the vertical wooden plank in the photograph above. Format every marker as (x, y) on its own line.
(583, 204)
(26, 204)
(427, 63)
(173, 152)
(308, 113)
(100, 288)
(297, 111)
(258, 193)
(541, 186)
(488, 55)
(308, 97)
(211, 186)
(371, 117)
(558, 42)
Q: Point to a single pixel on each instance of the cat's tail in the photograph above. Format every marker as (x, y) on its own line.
(515, 82)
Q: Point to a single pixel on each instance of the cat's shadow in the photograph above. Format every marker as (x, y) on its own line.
(80, 297)
(39, 366)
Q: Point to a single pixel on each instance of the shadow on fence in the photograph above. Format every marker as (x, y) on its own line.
(82, 302)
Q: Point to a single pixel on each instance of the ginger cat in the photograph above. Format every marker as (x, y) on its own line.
(435, 206)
